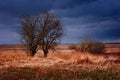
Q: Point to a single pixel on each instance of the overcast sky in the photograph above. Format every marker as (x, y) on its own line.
(99, 19)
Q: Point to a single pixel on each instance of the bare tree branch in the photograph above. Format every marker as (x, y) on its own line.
(43, 29)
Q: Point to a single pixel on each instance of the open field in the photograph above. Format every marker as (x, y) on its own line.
(61, 64)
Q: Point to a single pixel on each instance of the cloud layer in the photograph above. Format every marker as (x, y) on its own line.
(99, 19)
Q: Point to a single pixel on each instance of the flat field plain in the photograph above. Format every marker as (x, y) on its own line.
(61, 64)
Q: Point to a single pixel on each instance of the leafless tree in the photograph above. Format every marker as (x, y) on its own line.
(91, 45)
(43, 30)
(52, 31)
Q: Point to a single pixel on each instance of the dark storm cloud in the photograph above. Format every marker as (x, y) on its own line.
(18, 7)
(30, 6)
(60, 4)
(103, 8)
(99, 29)
(98, 18)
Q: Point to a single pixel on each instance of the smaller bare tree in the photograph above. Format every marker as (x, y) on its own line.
(52, 30)
(30, 33)
(91, 45)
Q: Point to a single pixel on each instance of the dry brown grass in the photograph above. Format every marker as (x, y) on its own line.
(19, 58)
(78, 57)
(57, 61)
(10, 55)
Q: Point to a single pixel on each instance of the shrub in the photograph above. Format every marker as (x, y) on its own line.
(72, 47)
(92, 46)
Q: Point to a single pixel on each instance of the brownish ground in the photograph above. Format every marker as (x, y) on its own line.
(13, 55)
(62, 57)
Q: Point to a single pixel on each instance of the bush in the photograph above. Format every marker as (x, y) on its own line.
(92, 46)
(72, 47)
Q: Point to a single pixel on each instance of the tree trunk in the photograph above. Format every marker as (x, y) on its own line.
(32, 51)
(45, 53)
